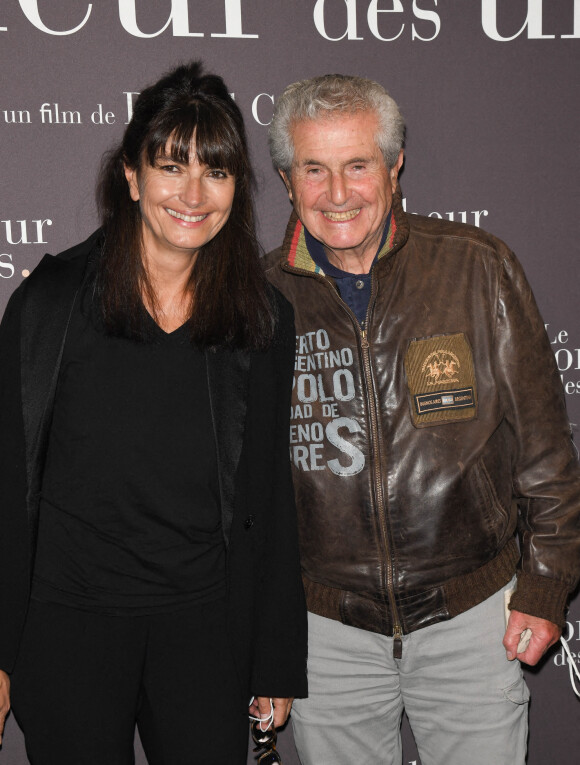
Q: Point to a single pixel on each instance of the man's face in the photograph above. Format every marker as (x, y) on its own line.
(340, 186)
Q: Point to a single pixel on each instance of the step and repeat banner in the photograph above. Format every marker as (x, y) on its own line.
(490, 90)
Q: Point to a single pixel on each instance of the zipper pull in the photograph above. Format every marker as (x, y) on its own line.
(363, 333)
(397, 642)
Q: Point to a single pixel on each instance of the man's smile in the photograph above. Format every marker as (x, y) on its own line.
(341, 216)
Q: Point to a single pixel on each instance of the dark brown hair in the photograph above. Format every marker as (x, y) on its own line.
(230, 296)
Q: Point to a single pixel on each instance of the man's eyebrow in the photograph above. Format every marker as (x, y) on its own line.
(350, 161)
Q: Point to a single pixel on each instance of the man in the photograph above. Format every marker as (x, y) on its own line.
(428, 427)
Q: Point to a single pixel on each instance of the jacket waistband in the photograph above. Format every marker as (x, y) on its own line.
(416, 610)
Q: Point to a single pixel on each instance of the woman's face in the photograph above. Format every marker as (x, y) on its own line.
(183, 205)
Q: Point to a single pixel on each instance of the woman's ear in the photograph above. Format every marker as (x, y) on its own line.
(132, 180)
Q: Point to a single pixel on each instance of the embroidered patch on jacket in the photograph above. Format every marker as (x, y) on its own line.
(441, 379)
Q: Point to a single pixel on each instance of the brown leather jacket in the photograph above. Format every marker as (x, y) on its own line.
(423, 445)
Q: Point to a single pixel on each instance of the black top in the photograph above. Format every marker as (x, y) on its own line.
(130, 514)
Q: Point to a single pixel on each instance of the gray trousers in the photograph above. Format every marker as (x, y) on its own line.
(465, 702)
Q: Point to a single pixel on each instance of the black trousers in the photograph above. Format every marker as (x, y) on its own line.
(83, 681)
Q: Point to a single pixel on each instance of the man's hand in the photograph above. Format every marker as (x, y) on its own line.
(260, 707)
(544, 634)
(4, 700)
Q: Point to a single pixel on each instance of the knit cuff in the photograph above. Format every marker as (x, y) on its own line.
(540, 596)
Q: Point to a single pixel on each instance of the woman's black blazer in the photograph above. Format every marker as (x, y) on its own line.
(250, 402)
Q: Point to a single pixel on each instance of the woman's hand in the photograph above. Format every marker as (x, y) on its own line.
(4, 700)
(260, 707)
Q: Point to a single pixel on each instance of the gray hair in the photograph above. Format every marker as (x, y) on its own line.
(326, 96)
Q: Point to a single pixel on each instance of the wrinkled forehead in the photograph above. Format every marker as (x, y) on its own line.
(336, 134)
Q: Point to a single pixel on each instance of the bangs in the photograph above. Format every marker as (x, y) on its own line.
(210, 127)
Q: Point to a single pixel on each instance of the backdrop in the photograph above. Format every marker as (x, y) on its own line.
(490, 90)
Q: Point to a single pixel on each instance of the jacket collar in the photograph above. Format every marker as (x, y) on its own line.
(295, 253)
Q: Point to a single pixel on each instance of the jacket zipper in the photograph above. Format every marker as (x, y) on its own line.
(397, 629)
(381, 512)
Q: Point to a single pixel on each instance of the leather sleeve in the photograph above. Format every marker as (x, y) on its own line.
(546, 475)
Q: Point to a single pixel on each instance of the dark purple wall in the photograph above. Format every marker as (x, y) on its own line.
(491, 93)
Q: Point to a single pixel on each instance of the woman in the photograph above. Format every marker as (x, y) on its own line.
(145, 385)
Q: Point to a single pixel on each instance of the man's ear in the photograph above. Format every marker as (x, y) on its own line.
(394, 171)
(286, 183)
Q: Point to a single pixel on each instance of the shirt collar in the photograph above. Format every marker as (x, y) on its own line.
(318, 253)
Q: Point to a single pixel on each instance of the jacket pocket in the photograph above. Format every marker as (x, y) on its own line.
(497, 516)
